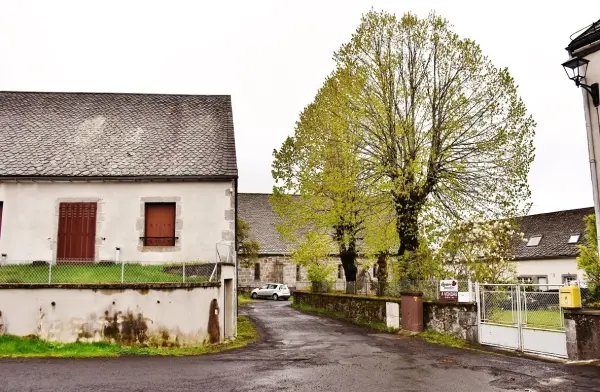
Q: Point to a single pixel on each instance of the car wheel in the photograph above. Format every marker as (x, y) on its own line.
(254, 296)
(275, 297)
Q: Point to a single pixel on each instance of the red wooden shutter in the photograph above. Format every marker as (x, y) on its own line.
(76, 232)
(160, 224)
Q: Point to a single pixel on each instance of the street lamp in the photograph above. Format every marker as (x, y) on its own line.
(574, 68)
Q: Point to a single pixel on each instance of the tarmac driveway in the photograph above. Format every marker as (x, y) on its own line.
(301, 352)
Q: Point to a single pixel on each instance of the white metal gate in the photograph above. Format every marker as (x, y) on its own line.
(524, 317)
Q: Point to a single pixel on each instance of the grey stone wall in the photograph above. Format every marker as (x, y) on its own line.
(459, 320)
(276, 269)
(281, 269)
(456, 319)
(582, 327)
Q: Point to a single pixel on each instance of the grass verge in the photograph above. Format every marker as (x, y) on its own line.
(244, 299)
(94, 273)
(23, 347)
(428, 335)
(431, 336)
(358, 320)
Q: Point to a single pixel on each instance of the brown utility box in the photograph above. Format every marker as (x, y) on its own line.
(412, 311)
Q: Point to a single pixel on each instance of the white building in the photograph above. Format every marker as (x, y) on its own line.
(550, 247)
(95, 177)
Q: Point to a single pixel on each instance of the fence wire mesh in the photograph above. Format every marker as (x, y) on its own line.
(429, 288)
(107, 272)
(533, 306)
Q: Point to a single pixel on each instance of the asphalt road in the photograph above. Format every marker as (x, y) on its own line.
(300, 352)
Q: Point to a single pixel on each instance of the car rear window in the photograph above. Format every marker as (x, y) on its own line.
(283, 287)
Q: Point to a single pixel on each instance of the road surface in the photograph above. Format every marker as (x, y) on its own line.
(301, 352)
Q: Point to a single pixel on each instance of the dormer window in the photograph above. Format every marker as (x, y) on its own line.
(574, 238)
(534, 241)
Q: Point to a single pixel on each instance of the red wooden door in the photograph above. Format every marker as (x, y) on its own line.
(160, 224)
(76, 232)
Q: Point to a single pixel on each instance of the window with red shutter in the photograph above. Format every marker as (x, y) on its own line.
(160, 224)
(76, 240)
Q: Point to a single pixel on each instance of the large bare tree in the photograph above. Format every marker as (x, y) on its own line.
(438, 126)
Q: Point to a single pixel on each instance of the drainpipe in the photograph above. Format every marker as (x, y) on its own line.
(235, 248)
(592, 154)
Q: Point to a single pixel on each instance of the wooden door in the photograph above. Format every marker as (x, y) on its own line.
(160, 224)
(76, 232)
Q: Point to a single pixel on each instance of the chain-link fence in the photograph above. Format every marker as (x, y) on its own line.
(533, 306)
(429, 288)
(107, 272)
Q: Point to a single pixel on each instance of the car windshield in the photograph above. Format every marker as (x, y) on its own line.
(264, 286)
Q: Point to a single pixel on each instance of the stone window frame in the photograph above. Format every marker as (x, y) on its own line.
(99, 220)
(141, 224)
(257, 271)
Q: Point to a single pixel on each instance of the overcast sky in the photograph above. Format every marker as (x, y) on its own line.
(272, 56)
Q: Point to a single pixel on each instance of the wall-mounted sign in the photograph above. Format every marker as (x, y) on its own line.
(449, 290)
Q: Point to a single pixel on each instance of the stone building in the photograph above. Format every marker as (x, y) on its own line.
(274, 263)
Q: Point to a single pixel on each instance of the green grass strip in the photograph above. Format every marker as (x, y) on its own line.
(25, 347)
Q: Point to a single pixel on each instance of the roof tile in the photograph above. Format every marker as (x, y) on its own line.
(123, 135)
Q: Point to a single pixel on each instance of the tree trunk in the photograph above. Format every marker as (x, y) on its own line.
(348, 258)
(407, 227)
(382, 274)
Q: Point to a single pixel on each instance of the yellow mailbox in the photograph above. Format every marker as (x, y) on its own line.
(570, 297)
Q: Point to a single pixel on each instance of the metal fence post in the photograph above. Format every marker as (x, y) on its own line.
(50, 272)
(122, 271)
(183, 272)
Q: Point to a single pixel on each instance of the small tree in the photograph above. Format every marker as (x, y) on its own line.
(482, 251)
(247, 248)
(588, 260)
(318, 178)
(312, 252)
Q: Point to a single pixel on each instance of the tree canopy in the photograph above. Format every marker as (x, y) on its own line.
(415, 127)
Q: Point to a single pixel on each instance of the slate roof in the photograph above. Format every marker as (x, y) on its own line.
(256, 210)
(83, 135)
(555, 229)
(589, 35)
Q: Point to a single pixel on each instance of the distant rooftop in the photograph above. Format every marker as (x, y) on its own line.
(557, 230)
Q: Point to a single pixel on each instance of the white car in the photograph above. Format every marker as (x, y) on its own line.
(273, 291)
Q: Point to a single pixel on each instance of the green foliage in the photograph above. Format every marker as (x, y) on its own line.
(312, 252)
(444, 339)
(244, 299)
(588, 260)
(414, 133)
(22, 347)
(481, 251)
(318, 175)
(320, 273)
(248, 249)
(438, 126)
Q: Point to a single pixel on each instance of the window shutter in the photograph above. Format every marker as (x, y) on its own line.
(160, 224)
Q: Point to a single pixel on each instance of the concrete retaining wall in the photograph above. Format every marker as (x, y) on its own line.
(458, 319)
(129, 314)
(582, 327)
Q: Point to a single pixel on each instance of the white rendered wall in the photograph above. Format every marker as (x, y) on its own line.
(204, 217)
